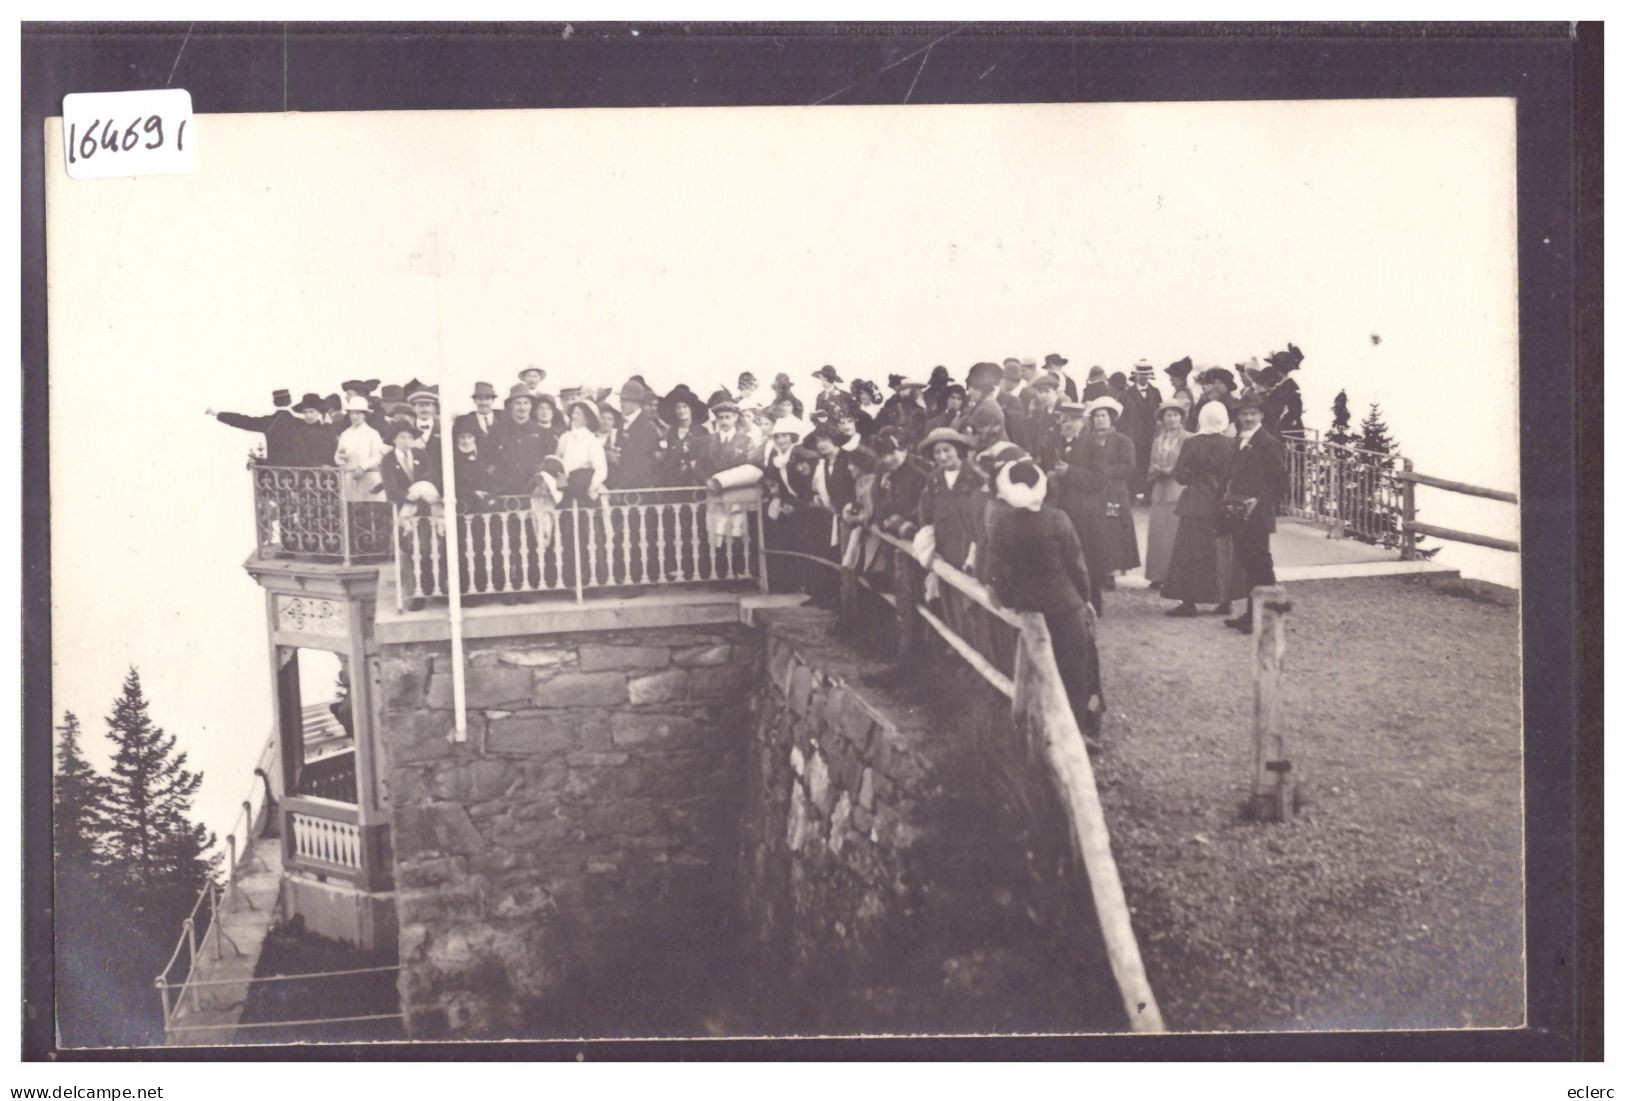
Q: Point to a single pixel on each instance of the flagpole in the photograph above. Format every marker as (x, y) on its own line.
(448, 476)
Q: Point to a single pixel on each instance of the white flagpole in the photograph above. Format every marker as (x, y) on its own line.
(448, 477)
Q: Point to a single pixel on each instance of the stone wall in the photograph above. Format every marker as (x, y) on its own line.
(833, 859)
(905, 865)
(579, 846)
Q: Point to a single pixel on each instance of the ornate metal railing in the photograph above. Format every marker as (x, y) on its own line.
(628, 538)
(306, 512)
(1355, 492)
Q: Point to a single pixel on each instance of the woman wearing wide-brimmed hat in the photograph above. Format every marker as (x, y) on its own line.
(1096, 473)
(787, 519)
(1218, 384)
(952, 502)
(1035, 563)
(1164, 490)
(1201, 566)
(684, 442)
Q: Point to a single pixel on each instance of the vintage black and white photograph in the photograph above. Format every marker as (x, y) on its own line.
(774, 571)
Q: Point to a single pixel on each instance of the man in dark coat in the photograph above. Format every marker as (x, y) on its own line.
(1257, 477)
(639, 467)
(1055, 362)
(519, 445)
(1141, 400)
(290, 440)
(483, 419)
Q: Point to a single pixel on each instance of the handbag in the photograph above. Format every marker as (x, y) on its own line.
(1232, 515)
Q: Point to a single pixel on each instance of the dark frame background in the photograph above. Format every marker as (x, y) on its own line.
(1553, 70)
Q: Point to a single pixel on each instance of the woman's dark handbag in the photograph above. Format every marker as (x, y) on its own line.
(1232, 515)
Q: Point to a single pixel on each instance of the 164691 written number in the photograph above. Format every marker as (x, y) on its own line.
(112, 140)
(140, 133)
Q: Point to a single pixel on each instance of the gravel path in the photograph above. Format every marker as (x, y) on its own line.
(1395, 900)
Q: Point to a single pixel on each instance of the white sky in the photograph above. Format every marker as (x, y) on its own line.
(691, 244)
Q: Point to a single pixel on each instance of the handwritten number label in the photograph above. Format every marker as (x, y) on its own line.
(107, 134)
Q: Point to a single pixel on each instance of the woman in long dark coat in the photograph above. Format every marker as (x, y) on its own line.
(1201, 568)
(952, 502)
(1035, 563)
(1095, 476)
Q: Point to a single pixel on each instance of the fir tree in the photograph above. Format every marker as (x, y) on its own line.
(80, 798)
(1340, 420)
(159, 850)
(1374, 436)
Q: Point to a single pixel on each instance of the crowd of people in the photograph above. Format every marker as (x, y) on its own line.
(1019, 475)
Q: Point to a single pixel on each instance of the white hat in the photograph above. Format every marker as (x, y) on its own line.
(355, 403)
(1016, 494)
(911, 380)
(789, 426)
(1105, 403)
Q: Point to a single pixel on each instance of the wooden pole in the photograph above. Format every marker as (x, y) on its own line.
(1272, 771)
(1464, 537)
(1410, 475)
(1407, 547)
(906, 587)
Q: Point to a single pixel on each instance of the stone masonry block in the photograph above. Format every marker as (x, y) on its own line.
(634, 728)
(497, 686)
(478, 780)
(721, 680)
(435, 828)
(672, 684)
(404, 681)
(582, 690)
(417, 735)
(802, 682)
(780, 659)
(550, 658)
(533, 733)
(596, 658)
(690, 656)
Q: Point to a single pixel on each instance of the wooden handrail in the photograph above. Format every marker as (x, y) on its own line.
(1462, 536)
(1456, 487)
(1039, 703)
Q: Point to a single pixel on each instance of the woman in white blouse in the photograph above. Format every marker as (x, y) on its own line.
(586, 467)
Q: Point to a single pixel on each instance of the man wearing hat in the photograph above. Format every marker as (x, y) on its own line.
(908, 413)
(531, 376)
(1041, 433)
(412, 484)
(425, 403)
(730, 445)
(640, 441)
(899, 482)
(1258, 481)
(1012, 389)
(981, 386)
(1217, 384)
(518, 444)
(483, 419)
(284, 438)
(1178, 375)
(828, 395)
(1056, 362)
(1141, 400)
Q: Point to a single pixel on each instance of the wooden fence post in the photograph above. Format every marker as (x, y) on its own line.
(906, 587)
(1273, 781)
(1407, 546)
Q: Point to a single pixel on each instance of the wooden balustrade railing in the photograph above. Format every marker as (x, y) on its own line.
(627, 538)
(1012, 652)
(327, 838)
